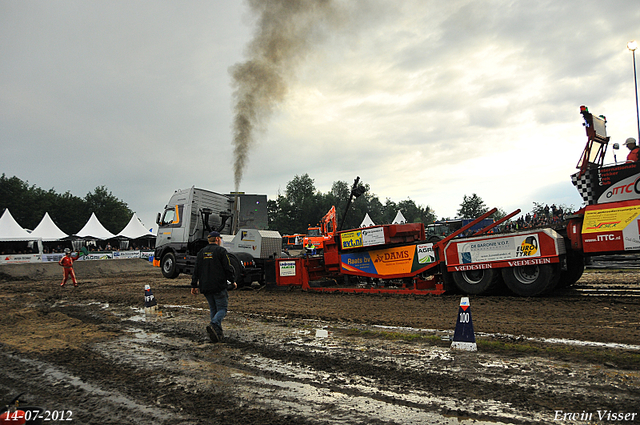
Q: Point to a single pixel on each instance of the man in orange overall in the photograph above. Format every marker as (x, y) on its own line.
(67, 263)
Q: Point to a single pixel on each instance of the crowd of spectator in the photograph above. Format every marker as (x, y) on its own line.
(549, 216)
(22, 248)
(58, 249)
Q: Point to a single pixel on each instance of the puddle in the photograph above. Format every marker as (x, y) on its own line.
(333, 396)
(143, 349)
(144, 315)
(358, 400)
(520, 338)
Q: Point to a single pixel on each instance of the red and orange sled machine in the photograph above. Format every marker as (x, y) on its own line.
(396, 258)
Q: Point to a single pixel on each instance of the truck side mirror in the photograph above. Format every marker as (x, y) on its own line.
(158, 219)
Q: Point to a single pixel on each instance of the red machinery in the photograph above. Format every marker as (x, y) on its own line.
(396, 258)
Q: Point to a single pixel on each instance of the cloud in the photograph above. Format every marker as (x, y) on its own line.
(421, 99)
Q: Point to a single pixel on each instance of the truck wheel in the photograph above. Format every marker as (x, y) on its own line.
(450, 286)
(476, 282)
(529, 281)
(168, 264)
(575, 268)
(237, 270)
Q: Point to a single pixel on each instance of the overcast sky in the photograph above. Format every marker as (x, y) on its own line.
(427, 100)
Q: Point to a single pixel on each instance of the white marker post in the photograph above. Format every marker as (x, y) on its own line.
(150, 302)
(464, 338)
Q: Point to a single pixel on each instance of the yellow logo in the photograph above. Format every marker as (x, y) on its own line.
(529, 246)
(351, 239)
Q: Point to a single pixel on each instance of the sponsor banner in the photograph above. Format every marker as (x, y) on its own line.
(52, 257)
(146, 254)
(385, 262)
(610, 219)
(360, 238)
(97, 256)
(246, 246)
(617, 183)
(611, 229)
(426, 254)
(20, 258)
(350, 240)
(631, 237)
(498, 249)
(126, 254)
(287, 268)
(373, 236)
(394, 260)
(116, 255)
(500, 264)
(602, 242)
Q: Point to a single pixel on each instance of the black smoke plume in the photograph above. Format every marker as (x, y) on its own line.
(286, 32)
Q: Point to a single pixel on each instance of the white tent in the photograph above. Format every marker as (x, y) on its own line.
(47, 230)
(10, 230)
(367, 222)
(399, 218)
(135, 229)
(94, 229)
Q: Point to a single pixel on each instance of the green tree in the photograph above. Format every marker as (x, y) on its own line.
(302, 205)
(389, 211)
(28, 204)
(301, 202)
(472, 207)
(113, 213)
(416, 213)
(376, 209)
(70, 213)
(499, 214)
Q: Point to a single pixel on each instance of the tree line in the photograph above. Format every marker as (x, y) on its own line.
(302, 205)
(70, 213)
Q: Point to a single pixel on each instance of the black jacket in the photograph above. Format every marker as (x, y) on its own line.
(212, 270)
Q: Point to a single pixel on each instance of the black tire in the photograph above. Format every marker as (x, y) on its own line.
(575, 268)
(529, 281)
(237, 270)
(476, 282)
(168, 266)
(450, 286)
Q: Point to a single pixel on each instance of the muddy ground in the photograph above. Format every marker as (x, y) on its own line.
(91, 355)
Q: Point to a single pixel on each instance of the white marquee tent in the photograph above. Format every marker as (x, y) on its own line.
(135, 229)
(399, 218)
(47, 230)
(10, 230)
(367, 222)
(94, 230)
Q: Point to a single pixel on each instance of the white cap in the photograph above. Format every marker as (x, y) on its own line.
(630, 140)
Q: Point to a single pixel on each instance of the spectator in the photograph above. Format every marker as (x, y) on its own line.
(634, 151)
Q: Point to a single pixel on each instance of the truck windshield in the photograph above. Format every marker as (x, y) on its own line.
(313, 232)
(171, 216)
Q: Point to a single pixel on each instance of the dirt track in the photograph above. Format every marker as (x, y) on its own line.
(93, 352)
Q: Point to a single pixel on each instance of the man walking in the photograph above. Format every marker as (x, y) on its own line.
(213, 270)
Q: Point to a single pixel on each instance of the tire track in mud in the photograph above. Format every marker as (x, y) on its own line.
(273, 369)
(453, 382)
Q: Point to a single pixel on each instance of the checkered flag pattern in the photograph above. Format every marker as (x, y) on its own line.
(584, 185)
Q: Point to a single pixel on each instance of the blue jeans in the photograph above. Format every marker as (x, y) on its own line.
(218, 307)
